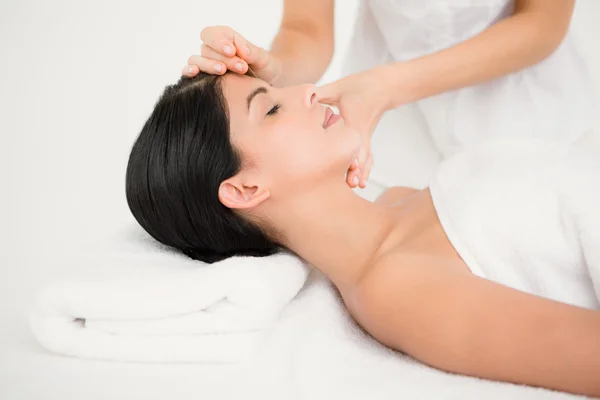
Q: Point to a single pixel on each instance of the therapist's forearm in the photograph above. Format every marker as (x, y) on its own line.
(510, 45)
(304, 56)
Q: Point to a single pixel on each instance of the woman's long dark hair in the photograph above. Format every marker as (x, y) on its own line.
(176, 165)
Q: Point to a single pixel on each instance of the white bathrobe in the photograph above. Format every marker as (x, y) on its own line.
(526, 214)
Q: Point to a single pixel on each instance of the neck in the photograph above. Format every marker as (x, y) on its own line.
(334, 229)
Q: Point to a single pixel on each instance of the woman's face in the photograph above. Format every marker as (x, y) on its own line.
(283, 137)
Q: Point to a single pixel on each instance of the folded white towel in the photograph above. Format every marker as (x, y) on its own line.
(133, 299)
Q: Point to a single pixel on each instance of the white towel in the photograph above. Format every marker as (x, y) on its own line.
(133, 299)
(526, 214)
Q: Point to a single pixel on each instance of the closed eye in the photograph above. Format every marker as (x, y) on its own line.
(274, 110)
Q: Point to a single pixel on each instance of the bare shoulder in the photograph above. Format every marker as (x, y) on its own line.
(395, 194)
(398, 301)
(392, 271)
(388, 283)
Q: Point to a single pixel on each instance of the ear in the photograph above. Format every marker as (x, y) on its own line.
(233, 193)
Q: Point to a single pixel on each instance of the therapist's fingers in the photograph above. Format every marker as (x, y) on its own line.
(235, 64)
(366, 171)
(353, 178)
(252, 54)
(328, 94)
(220, 38)
(199, 63)
(353, 174)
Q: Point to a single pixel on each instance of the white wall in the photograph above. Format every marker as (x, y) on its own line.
(77, 80)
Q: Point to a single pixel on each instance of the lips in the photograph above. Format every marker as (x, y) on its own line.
(330, 118)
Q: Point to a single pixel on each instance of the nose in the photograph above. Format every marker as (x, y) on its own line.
(310, 95)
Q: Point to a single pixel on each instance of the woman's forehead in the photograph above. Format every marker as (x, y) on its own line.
(236, 89)
(240, 91)
(236, 86)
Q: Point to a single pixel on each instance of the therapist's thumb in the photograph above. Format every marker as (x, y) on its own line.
(328, 94)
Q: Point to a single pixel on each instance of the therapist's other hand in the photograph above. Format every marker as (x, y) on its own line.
(225, 49)
(362, 100)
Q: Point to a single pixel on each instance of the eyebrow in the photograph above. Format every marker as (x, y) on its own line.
(255, 92)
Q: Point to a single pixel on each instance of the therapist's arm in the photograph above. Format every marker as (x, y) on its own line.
(531, 34)
(458, 322)
(305, 41)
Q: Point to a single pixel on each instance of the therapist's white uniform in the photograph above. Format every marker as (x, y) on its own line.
(553, 99)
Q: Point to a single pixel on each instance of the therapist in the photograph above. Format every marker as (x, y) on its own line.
(475, 68)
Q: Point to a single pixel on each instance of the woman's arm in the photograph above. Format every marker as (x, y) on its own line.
(305, 41)
(464, 324)
(530, 35)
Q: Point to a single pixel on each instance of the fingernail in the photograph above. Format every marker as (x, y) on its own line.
(228, 49)
(247, 49)
(190, 69)
(355, 180)
(217, 67)
(239, 67)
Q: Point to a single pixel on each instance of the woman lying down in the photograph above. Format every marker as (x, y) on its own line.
(491, 271)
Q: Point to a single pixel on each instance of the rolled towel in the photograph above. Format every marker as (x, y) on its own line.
(134, 299)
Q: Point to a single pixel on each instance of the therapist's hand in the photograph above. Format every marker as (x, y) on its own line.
(362, 100)
(359, 171)
(225, 49)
